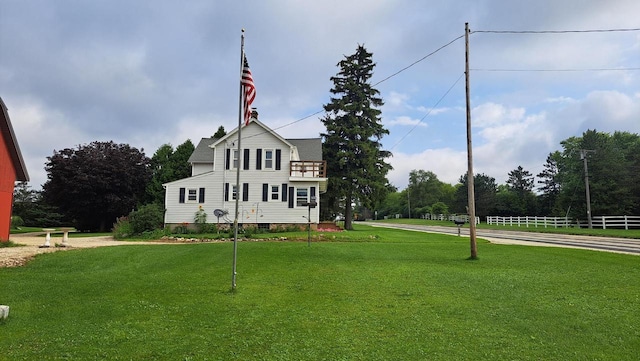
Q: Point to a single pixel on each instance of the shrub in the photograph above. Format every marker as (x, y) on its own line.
(183, 228)
(122, 228)
(16, 222)
(147, 218)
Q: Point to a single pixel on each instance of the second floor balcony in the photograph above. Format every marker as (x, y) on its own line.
(312, 169)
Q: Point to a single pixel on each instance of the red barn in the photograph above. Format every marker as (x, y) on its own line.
(12, 169)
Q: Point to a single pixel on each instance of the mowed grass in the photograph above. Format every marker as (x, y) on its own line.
(609, 232)
(373, 294)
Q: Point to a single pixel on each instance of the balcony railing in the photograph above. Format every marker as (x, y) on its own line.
(308, 169)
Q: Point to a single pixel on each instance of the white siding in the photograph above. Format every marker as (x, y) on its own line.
(254, 210)
(200, 168)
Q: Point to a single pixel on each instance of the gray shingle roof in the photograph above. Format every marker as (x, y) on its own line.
(202, 153)
(309, 148)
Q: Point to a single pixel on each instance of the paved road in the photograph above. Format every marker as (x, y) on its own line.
(619, 245)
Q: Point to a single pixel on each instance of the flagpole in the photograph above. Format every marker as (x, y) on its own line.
(240, 116)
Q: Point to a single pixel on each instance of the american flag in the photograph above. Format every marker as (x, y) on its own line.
(249, 90)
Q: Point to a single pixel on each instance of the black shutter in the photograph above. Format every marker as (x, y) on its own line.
(226, 192)
(284, 192)
(182, 195)
(201, 196)
(228, 160)
(278, 159)
(291, 197)
(245, 192)
(312, 192)
(258, 158)
(246, 159)
(265, 192)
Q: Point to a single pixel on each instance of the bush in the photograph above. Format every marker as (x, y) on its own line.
(16, 222)
(122, 228)
(147, 218)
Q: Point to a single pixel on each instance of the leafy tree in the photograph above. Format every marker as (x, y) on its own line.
(355, 161)
(96, 183)
(425, 189)
(439, 208)
(391, 205)
(613, 166)
(508, 203)
(168, 165)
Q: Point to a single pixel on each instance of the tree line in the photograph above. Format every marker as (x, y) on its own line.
(612, 165)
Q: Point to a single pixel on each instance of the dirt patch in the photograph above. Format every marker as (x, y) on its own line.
(30, 246)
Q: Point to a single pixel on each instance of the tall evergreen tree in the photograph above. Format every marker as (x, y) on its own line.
(550, 185)
(356, 163)
(220, 132)
(521, 182)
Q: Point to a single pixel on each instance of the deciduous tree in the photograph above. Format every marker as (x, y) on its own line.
(168, 165)
(96, 183)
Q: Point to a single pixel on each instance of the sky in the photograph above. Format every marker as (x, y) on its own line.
(148, 73)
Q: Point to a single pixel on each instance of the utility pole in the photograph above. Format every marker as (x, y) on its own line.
(583, 156)
(470, 186)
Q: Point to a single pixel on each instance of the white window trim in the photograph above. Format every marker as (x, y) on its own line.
(264, 159)
(235, 159)
(299, 199)
(234, 192)
(189, 194)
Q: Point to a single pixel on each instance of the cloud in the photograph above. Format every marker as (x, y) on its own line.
(404, 120)
(448, 164)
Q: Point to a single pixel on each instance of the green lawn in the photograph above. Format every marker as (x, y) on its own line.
(369, 294)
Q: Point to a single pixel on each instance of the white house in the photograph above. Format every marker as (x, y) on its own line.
(278, 179)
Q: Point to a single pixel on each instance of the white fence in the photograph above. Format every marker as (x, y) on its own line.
(450, 217)
(603, 222)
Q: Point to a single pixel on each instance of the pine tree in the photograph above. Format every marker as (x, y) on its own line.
(356, 163)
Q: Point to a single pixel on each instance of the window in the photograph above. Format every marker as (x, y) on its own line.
(235, 158)
(275, 192)
(268, 159)
(192, 195)
(301, 197)
(234, 192)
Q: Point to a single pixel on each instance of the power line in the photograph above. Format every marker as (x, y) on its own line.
(487, 70)
(553, 70)
(554, 31)
(381, 81)
(419, 60)
(429, 112)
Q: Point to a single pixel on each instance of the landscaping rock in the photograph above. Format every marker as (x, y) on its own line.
(4, 312)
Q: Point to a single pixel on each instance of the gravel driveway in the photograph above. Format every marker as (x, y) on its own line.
(18, 256)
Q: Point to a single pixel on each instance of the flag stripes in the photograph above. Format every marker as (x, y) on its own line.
(249, 90)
